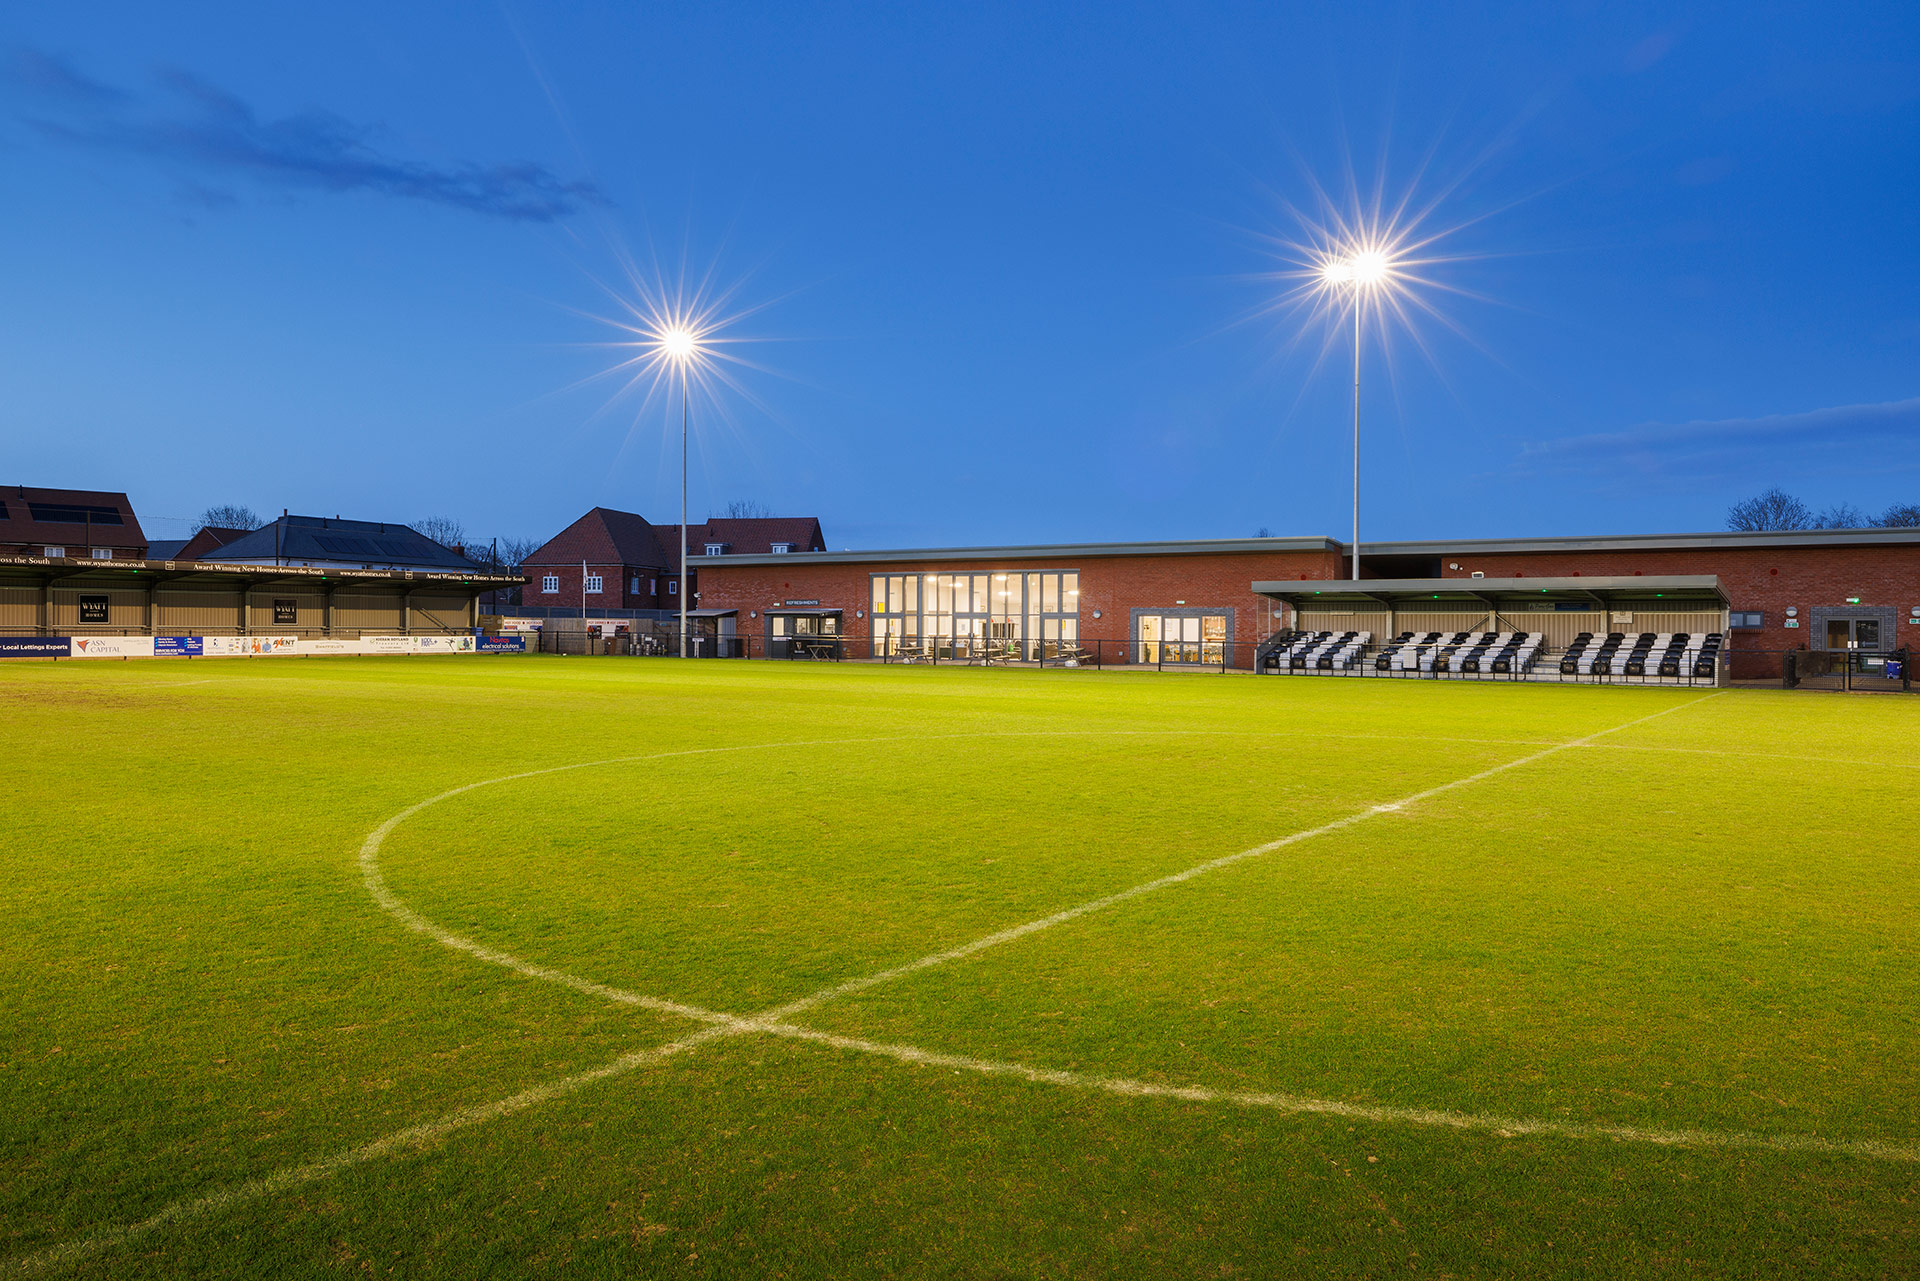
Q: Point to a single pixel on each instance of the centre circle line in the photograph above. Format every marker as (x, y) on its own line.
(774, 1022)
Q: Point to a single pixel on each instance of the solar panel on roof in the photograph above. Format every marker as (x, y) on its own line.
(74, 514)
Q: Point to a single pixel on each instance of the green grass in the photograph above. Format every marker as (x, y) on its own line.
(1708, 921)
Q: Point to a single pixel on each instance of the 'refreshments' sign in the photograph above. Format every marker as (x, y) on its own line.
(799, 602)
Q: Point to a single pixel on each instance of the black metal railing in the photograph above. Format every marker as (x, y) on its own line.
(1848, 670)
(1853, 670)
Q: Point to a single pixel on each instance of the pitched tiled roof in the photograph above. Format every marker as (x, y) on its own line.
(325, 540)
(747, 536)
(75, 518)
(205, 540)
(604, 536)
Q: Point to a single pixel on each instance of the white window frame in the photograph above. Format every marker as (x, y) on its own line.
(594, 584)
(716, 549)
(56, 551)
(673, 587)
(549, 584)
(781, 549)
(103, 553)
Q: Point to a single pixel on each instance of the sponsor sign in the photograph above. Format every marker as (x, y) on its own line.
(325, 646)
(502, 645)
(520, 624)
(272, 644)
(223, 646)
(387, 644)
(95, 609)
(35, 647)
(178, 647)
(112, 647)
(286, 613)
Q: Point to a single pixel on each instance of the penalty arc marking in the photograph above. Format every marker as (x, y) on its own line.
(774, 1022)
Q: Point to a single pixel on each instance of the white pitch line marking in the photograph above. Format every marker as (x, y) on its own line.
(772, 1022)
(1199, 869)
(1506, 1127)
(417, 1137)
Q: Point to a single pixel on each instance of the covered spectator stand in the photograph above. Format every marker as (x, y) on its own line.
(1627, 627)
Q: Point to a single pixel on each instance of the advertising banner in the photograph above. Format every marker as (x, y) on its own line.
(520, 624)
(325, 646)
(503, 645)
(178, 647)
(443, 644)
(387, 644)
(112, 647)
(271, 644)
(223, 646)
(35, 647)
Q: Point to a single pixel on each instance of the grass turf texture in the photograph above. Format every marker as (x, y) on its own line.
(1704, 921)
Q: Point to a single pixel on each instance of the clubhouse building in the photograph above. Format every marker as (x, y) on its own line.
(1212, 601)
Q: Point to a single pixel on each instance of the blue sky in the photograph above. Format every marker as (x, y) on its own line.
(1013, 260)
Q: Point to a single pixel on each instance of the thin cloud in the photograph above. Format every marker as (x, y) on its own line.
(193, 123)
(1729, 449)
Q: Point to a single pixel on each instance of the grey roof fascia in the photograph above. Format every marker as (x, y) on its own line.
(1056, 552)
(1613, 587)
(1648, 542)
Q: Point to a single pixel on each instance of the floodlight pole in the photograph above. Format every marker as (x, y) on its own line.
(683, 511)
(1356, 431)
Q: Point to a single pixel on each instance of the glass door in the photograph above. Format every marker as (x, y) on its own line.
(1150, 638)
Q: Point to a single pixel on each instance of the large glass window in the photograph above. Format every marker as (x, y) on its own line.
(1187, 638)
(994, 614)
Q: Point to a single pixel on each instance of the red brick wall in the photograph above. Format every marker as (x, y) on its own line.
(615, 579)
(1113, 585)
(1766, 579)
(1762, 579)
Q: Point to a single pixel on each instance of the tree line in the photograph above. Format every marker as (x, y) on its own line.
(1777, 509)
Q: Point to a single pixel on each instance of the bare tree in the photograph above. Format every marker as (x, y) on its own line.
(228, 516)
(1263, 532)
(746, 509)
(1775, 509)
(444, 530)
(508, 553)
(1899, 516)
(1841, 516)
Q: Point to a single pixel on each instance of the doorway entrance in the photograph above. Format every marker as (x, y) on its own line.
(1181, 638)
(1853, 633)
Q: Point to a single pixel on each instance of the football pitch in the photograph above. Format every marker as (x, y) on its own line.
(613, 968)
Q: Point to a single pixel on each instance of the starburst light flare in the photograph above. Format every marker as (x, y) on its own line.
(677, 335)
(1365, 265)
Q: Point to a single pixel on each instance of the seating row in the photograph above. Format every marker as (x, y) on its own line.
(1647, 654)
(1502, 652)
(1317, 651)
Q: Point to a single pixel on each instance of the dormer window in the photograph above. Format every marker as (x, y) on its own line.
(716, 549)
(781, 548)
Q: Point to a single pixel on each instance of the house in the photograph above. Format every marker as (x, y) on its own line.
(75, 524)
(612, 559)
(325, 542)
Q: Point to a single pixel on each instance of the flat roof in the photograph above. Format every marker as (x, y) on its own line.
(1061, 553)
(1599, 589)
(1056, 552)
(1646, 542)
